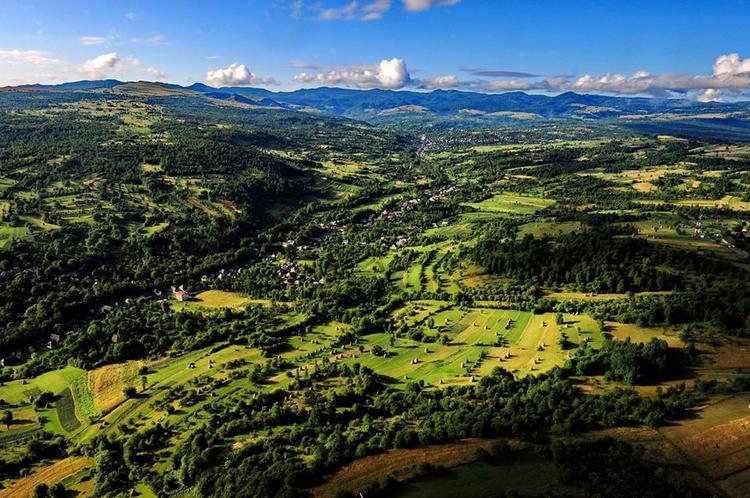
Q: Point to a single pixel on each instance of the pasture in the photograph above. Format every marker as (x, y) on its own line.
(476, 340)
(717, 439)
(511, 204)
(217, 299)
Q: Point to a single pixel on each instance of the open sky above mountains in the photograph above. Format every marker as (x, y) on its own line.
(668, 48)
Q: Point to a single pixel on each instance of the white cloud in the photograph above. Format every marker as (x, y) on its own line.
(236, 75)
(130, 16)
(297, 7)
(354, 11)
(391, 74)
(375, 10)
(102, 66)
(153, 41)
(151, 72)
(711, 95)
(421, 5)
(731, 65)
(35, 57)
(447, 81)
(506, 85)
(93, 40)
(155, 73)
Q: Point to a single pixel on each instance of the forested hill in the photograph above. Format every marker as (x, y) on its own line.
(140, 186)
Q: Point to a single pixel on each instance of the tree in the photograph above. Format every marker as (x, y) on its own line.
(41, 491)
(7, 418)
(129, 392)
(44, 399)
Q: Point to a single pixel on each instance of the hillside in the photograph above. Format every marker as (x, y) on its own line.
(443, 109)
(210, 292)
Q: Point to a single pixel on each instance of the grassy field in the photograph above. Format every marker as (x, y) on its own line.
(479, 340)
(107, 383)
(511, 203)
(717, 439)
(216, 299)
(56, 381)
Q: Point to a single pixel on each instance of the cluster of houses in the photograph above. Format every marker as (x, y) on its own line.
(221, 274)
(718, 238)
(290, 273)
(180, 293)
(425, 145)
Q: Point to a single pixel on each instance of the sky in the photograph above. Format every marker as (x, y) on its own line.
(687, 48)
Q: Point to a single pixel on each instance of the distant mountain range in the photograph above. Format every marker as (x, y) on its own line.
(451, 107)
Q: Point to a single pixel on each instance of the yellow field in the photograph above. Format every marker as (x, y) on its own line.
(151, 168)
(646, 187)
(23, 418)
(107, 383)
(622, 331)
(584, 296)
(218, 299)
(48, 475)
(726, 202)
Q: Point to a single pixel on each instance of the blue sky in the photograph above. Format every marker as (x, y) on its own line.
(696, 48)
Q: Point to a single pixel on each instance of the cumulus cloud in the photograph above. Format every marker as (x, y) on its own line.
(35, 57)
(711, 95)
(422, 5)
(111, 65)
(730, 75)
(728, 80)
(355, 11)
(236, 75)
(731, 65)
(102, 66)
(392, 74)
(93, 40)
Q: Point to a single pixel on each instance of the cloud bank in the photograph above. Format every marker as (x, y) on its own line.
(392, 74)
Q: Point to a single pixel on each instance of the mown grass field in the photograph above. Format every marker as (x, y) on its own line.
(511, 203)
(480, 339)
(216, 299)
